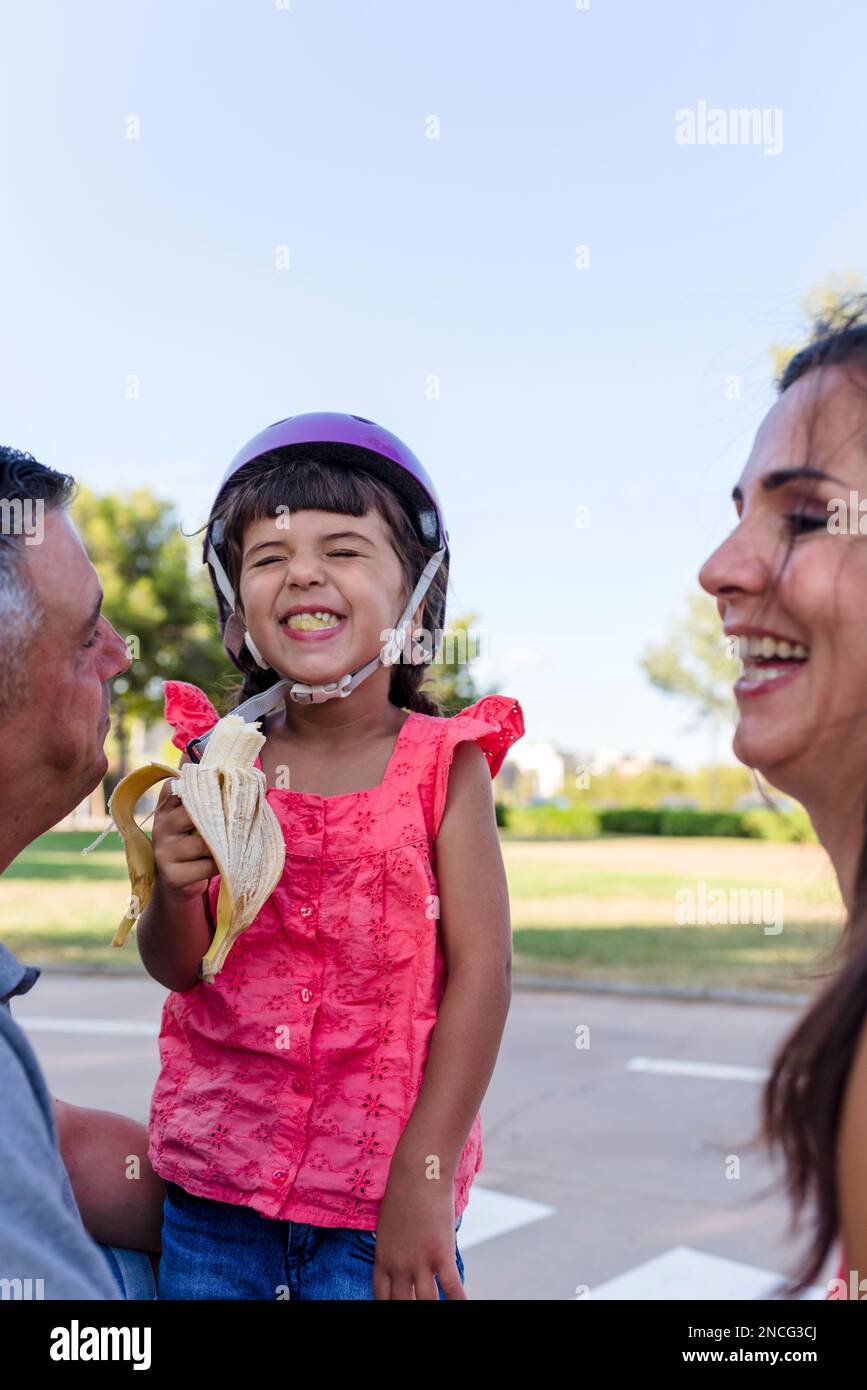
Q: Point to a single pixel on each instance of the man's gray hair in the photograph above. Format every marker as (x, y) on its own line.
(27, 490)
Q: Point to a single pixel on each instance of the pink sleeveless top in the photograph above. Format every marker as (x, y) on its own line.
(286, 1084)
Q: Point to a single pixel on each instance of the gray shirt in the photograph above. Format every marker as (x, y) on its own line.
(41, 1232)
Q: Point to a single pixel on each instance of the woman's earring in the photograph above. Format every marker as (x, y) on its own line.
(766, 798)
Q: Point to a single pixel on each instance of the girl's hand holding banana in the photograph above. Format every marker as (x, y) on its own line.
(222, 801)
(184, 863)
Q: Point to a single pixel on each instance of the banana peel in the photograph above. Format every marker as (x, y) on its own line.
(140, 862)
(225, 798)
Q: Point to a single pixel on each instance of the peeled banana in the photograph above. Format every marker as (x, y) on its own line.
(224, 796)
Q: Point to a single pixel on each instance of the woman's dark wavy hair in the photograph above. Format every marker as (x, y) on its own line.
(803, 1098)
(274, 485)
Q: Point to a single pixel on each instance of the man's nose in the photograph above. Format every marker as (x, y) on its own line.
(118, 656)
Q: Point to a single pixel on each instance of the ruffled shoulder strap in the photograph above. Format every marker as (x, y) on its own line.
(188, 710)
(495, 722)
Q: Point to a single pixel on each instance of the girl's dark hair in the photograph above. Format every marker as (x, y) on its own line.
(275, 485)
(802, 1101)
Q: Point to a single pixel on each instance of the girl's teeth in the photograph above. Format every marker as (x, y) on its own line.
(311, 622)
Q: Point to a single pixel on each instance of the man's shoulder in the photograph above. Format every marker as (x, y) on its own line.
(20, 1072)
(15, 977)
(27, 1105)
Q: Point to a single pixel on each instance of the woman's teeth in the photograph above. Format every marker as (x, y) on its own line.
(771, 646)
(768, 658)
(759, 675)
(311, 622)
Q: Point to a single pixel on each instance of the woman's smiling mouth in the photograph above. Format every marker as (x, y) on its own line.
(769, 662)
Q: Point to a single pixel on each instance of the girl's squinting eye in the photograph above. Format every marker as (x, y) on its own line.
(270, 559)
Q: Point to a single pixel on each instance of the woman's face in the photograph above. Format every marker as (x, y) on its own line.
(794, 593)
(319, 560)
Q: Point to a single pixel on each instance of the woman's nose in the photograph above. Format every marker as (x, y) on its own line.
(736, 566)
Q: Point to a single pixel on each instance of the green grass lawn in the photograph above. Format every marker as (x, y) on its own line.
(593, 909)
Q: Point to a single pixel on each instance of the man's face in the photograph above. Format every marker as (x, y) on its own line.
(73, 657)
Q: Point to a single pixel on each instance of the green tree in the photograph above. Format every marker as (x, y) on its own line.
(695, 663)
(451, 678)
(157, 596)
(830, 301)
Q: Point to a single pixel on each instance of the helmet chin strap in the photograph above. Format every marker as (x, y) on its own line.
(259, 705)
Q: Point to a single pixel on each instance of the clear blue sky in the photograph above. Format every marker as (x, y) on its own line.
(560, 387)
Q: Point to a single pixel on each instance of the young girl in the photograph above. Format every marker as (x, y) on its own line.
(791, 585)
(316, 1113)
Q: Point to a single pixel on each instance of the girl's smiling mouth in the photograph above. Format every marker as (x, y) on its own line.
(769, 662)
(312, 625)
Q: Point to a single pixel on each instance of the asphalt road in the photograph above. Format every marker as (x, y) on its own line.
(597, 1158)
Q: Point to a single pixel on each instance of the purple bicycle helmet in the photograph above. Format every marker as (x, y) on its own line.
(357, 443)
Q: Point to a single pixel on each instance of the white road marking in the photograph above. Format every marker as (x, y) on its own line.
(712, 1071)
(682, 1273)
(489, 1213)
(114, 1027)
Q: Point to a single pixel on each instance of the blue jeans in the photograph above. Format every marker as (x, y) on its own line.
(219, 1250)
(132, 1270)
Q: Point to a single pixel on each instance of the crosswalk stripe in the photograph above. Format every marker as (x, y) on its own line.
(491, 1213)
(711, 1071)
(115, 1027)
(684, 1273)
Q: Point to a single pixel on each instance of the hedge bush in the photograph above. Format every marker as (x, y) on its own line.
(791, 827)
(630, 820)
(576, 822)
(719, 823)
(581, 821)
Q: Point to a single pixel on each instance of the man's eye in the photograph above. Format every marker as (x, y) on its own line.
(343, 552)
(798, 524)
(94, 639)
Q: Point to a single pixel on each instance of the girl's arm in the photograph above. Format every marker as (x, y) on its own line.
(175, 930)
(119, 1195)
(476, 939)
(476, 934)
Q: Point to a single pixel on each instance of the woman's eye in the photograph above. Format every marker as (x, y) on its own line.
(343, 552)
(799, 524)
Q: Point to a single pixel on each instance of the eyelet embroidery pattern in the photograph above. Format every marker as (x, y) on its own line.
(286, 1084)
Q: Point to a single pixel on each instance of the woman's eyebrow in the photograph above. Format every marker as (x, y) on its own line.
(780, 477)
